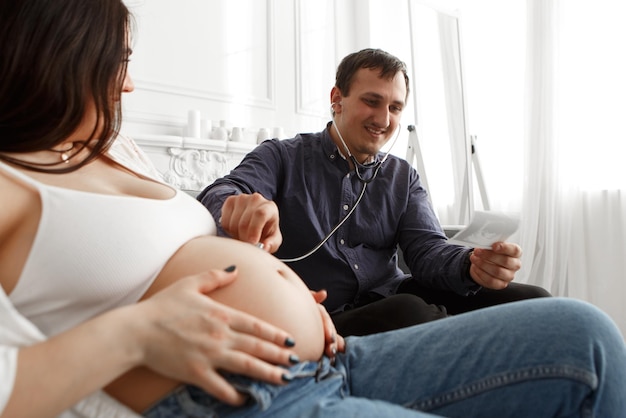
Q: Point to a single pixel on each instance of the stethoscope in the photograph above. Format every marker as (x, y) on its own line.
(365, 181)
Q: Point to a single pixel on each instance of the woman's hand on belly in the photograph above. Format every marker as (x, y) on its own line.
(189, 337)
(265, 291)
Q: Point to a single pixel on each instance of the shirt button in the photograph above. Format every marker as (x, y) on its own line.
(346, 207)
(341, 241)
(356, 266)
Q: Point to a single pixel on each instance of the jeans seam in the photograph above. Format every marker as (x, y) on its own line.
(505, 379)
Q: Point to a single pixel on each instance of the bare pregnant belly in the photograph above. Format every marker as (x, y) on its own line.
(264, 287)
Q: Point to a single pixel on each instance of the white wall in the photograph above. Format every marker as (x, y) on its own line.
(253, 63)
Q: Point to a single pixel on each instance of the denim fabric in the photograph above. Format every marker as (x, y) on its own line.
(537, 358)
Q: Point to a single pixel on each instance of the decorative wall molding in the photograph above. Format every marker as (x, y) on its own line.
(194, 169)
(191, 164)
(209, 45)
(182, 91)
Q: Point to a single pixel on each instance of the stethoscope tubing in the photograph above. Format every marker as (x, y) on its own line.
(331, 233)
(376, 167)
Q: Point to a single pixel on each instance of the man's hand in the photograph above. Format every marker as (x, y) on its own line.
(252, 218)
(334, 342)
(495, 268)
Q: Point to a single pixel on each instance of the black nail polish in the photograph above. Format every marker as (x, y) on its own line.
(287, 377)
(230, 269)
(289, 342)
(294, 359)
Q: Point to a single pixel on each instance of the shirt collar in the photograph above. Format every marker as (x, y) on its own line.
(332, 150)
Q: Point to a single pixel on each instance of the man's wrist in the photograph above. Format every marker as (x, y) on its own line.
(467, 263)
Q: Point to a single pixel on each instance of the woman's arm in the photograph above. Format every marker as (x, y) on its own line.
(179, 332)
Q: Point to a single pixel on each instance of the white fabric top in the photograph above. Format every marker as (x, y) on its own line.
(16, 331)
(69, 278)
(94, 252)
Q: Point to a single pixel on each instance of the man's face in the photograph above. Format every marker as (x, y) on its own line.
(368, 117)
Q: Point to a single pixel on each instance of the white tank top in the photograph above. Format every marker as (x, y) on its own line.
(94, 252)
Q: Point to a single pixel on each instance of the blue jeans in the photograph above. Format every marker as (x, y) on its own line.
(537, 358)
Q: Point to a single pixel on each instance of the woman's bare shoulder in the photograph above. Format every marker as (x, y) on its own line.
(18, 202)
(21, 208)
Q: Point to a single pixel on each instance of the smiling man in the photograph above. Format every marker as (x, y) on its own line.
(345, 209)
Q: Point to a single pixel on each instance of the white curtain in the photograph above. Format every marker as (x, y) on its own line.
(574, 201)
(546, 97)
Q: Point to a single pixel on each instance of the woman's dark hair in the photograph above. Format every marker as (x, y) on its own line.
(57, 57)
(368, 58)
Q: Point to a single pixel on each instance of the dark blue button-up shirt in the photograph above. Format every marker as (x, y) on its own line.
(314, 189)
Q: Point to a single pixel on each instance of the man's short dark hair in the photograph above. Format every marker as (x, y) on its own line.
(388, 64)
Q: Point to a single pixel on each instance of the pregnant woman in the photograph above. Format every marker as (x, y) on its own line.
(107, 308)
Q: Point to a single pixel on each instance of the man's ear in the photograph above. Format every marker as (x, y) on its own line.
(335, 99)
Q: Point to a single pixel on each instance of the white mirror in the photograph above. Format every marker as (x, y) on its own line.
(441, 136)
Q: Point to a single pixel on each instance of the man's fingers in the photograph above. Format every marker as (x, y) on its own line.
(272, 241)
(231, 214)
(252, 218)
(258, 218)
(319, 295)
(341, 344)
(485, 279)
(507, 248)
(497, 265)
